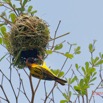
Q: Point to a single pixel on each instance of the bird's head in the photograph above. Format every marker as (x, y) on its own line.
(30, 62)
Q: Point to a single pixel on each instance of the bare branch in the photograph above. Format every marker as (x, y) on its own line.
(95, 90)
(24, 92)
(5, 94)
(55, 34)
(50, 93)
(59, 36)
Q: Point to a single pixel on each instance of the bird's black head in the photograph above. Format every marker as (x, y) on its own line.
(31, 60)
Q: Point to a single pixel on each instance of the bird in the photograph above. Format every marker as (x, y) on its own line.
(42, 71)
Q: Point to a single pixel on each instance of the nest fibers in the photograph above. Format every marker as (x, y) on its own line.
(28, 37)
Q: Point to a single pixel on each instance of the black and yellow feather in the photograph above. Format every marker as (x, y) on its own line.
(43, 72)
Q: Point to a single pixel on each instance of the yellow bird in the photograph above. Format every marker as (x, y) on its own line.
(42, 71)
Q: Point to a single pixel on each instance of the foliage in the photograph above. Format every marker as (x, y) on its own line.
(79, 79)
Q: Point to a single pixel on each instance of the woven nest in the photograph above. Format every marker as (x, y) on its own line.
(28, 37)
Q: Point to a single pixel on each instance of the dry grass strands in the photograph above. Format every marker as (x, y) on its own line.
(28, 37)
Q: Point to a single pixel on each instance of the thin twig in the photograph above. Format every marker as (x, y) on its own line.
(83, 99)
(12, 88)
(59, 36)
(45, 88)
(2, 3)
(53, 97)
(68, 70)
(25, 92)
(6, 21)
(65, 59)
(2, 79)
(87, 97)
(37, 87)
(3, 98)
(5, 94)
(32, 88)
(93, 99)
(50, 93)
(55, 34)
(26, 72)
(9, 82)
(95, 90)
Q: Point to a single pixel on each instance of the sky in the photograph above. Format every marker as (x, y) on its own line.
(82, 18)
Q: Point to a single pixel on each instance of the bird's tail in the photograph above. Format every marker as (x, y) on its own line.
(61, 81)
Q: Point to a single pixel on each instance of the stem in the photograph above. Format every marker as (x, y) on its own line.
(24, 92)
(32, 89)
(95, 90)
(87, 97)
(5, 94)
(59, 36)
(83, 99)
(56, 34)
(50, 93)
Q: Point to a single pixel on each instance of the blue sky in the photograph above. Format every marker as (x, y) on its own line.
(83, 18)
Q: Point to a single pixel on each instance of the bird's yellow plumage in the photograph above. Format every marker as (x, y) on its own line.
(42, 71)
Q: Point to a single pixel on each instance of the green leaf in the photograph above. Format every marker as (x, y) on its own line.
(77, 67)
(58, 47)
(84, 92)
(102, 56)
(1, 4)
(73, 80)
(33, 12)
(87, 65)
(81, 82)
(7, 1)
(95, 60)
(20, 9)
(83, 69)
(77, 88)
(93, 79)
(24, 3)
(87, 79)
(30, 8)
(77, 50)
(55, 71)
(49, 51)
(58, 72)
(61, 73)
(90, 47)
(63, 101)
(13, 17)
(0, 40)
(92, 70)
(94, 74)
(65, 95)
(3, 30)
(99, 62)
(2, 24)
(68, 55)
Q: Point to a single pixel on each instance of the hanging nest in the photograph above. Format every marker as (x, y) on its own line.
(28, 37)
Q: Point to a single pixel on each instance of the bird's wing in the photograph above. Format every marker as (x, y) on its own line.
(42, 73)
(37, 72)
(45, 67)
(47, 74)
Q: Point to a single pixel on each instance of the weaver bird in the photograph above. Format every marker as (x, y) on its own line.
(42, 71)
